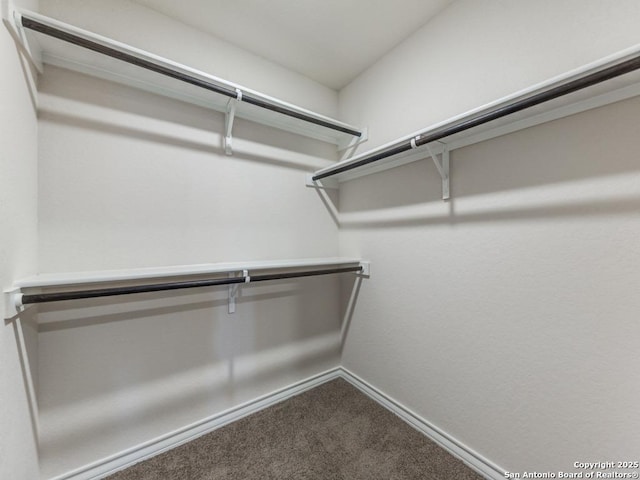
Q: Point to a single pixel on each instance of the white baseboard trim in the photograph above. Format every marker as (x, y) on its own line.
(473, 459)
(151, 448)
(119, 461)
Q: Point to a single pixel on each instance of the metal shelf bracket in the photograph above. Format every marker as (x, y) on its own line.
(355, 141)
(442, 166)
(11, 18)
(230, 116)
(234, 290)
(13, 303)
(366, 269)
(326, 184)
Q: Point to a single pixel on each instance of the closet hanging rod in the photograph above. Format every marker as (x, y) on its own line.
(543, 96)
(26, 299)
(112, 51)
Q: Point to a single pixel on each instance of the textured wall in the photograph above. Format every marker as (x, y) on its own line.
(18, 234)
(508, 316)
(505, 313)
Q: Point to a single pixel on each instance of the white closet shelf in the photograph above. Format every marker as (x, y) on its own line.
(120, 282)
(611, 79)
(110, 276)
(48, 41)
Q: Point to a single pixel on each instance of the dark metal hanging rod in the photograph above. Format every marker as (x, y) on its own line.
(494, 114)
(158, 287)
(51, 31)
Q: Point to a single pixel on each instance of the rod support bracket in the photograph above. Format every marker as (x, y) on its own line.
(234, 289)
(13, 303)
(325, 183)
(442, 165)
(229, 117)
(353, 142)
(12, 18)
(365, 265)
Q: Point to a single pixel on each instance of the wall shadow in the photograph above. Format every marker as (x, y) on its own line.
(103, 345)
(575, 209)
(118, 422)
(177, 142)
(86, 91)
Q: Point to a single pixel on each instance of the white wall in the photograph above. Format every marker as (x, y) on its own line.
(475, 52)
(18, 210)
(508, 316)
(129, 179)
(505, 313)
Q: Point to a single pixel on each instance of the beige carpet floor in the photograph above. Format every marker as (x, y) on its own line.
(332, 432)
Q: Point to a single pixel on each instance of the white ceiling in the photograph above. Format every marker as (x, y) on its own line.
(330, 41)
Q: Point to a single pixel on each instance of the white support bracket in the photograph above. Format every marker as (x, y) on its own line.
(11, 18)
(442, 166)
(354, 141)
(366, 269)
(13, 303)
(326, 183)
(234, 289)
(230, 116)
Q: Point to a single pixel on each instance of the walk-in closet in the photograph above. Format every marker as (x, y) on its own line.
(319, 239)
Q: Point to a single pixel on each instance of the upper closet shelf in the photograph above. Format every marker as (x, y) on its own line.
(56, 43)
(608, 80)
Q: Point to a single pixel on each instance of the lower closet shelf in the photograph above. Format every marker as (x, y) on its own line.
(72, 286)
